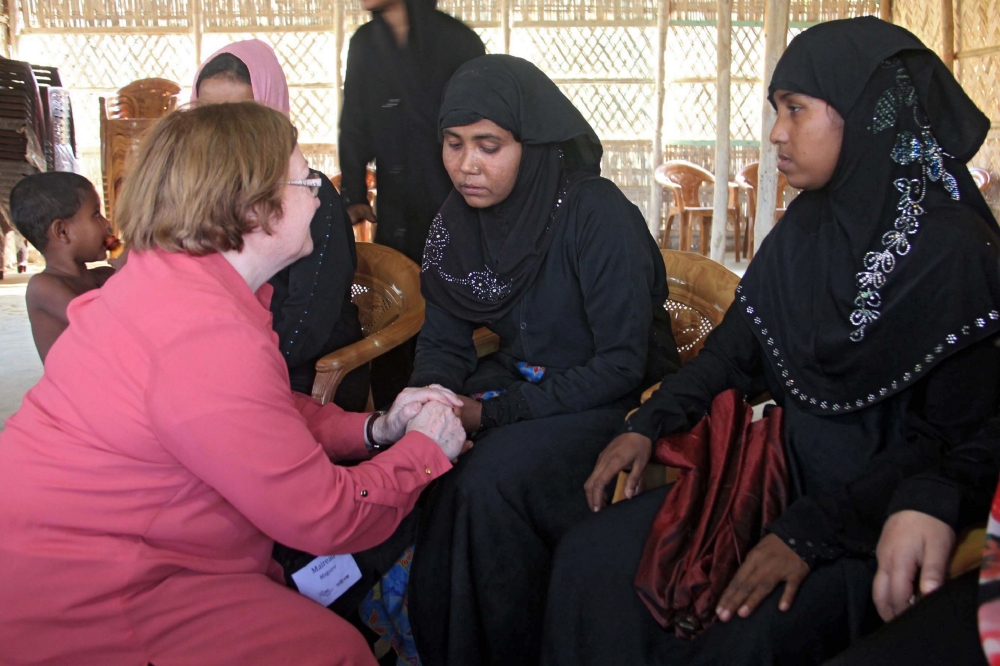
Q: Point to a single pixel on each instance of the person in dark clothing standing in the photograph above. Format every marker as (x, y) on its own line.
(397, 67)
(311, 305)
(554, 259)
(871, 313)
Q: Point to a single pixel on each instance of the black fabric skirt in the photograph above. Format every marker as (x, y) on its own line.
(595, 617)
(482, 557)
(941, 629)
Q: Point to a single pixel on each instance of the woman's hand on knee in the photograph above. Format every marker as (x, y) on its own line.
(439, 422)
(768, 564)
(393, 425)
(912, 543)
(629, 451)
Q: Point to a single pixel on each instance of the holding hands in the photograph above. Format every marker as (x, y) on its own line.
(432, 411)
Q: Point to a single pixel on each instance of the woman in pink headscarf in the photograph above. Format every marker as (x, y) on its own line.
(312, 308)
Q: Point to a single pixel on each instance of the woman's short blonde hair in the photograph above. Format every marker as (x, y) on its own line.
(205, 177)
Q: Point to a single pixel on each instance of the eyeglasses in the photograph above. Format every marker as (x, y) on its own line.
(313, 183)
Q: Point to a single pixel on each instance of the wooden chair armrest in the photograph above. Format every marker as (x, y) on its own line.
(486, 341)
(330, 369)
(654, 476)
(968, 553)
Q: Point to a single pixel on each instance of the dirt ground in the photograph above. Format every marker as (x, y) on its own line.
(20, 367)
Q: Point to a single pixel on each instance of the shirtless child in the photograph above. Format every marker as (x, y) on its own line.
(60, 214)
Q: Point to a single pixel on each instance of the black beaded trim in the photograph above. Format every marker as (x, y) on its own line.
(864, 401)
(312, 290)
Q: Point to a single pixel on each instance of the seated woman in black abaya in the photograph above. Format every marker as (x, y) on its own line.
(556, 261)
(871, 313)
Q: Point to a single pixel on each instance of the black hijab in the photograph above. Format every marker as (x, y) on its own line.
(478, 262)
(870, 281)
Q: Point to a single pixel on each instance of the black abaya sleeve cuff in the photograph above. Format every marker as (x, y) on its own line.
(931, 495)
(805, 529)
(511, 407)
(642, 422)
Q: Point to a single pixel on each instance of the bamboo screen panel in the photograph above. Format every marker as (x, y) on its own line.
(922, 18)
(977, 64)
(602, 54)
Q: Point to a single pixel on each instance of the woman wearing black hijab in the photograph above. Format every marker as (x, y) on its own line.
(555, 260)
(870, 313)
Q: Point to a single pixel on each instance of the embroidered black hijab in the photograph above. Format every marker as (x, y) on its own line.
(478, 262)
(866, 284)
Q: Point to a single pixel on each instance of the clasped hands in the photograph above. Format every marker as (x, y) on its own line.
(433, 411)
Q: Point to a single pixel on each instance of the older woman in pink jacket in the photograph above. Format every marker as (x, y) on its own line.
(147, 475)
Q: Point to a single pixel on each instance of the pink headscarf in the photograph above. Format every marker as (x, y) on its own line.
(267, 79)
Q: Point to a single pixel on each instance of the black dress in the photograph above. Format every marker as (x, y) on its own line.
(311, 305)
(871, 313)
(849, 472)
(481, 560)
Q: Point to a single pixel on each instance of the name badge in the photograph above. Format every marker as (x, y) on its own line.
(327, 577)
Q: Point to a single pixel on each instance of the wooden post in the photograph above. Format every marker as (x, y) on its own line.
(338, 71)
(195, 12)
(655, 191)
(720, 203)
(505, 11)
(885, 10)
(14, 35)
(948, 33)
(775, 36)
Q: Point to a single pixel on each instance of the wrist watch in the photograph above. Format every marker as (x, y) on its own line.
(370, 443)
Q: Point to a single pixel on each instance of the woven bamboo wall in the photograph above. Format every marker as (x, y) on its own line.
(977, 64)
(603, 54)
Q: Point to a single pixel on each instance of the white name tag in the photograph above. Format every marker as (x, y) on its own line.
(327, 577)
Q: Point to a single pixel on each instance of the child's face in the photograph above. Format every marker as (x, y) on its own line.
(88, 229)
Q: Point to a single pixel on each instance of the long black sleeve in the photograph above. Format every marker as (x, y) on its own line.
(618, 267)
(446, 354)
(729, 359)
(355, 143)
(942, 469)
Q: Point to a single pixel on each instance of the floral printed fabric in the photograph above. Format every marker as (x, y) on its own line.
(385, 610)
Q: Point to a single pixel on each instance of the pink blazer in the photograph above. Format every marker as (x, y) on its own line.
(163, 440)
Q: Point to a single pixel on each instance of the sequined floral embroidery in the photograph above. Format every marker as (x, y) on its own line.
(909, 148)
(485, 284)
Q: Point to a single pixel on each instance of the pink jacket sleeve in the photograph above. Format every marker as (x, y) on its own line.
(219, 403)
(340, 433)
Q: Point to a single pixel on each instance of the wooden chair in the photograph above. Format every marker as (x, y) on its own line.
(701, 291)
(124, 119)
(145, 98)
(684, 180)
(387, 292)
(982, 178)
(747, 180)
(120, 139)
